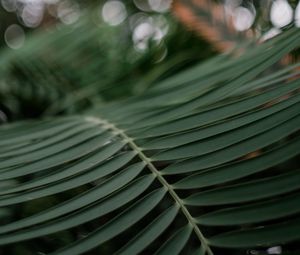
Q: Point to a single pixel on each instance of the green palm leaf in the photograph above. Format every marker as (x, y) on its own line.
(199, 162)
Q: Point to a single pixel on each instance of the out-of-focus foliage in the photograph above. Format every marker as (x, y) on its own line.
(117, 56)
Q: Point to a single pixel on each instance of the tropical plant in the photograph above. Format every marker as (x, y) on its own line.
(204, 162)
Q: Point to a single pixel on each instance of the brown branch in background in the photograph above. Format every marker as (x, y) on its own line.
(208, 20)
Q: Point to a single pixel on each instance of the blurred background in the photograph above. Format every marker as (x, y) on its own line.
(120, 47)
(145, 20)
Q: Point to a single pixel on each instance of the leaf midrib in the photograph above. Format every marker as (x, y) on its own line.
(158, 175)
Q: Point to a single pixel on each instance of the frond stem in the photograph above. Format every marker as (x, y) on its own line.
(159, 177)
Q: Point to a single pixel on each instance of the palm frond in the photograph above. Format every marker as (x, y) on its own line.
(203, 162)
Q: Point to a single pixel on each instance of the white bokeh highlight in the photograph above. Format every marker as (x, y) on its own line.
(149, 29)
(9, 5)
(297, 15)
(243, 18)
(114, 12)
(68, 12)
(281, 13)
(160, 5)
(32, 14)
(14, 36)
